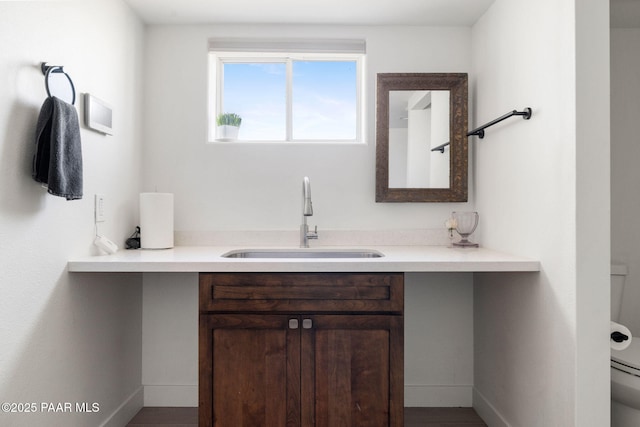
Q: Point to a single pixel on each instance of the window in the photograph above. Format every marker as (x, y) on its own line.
(305, 94)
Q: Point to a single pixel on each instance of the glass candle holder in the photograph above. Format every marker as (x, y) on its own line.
(466, 223)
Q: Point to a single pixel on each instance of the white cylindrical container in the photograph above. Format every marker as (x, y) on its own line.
(156, 220)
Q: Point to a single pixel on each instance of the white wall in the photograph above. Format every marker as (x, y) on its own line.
(398, 157)
(593, 210)
(541, 354)
(257, 187)
(438, 339)
(170, 339)
(419, 148)
(440, 135)
(68, 337)
(625, 174)
(250, 186)
(438, 347)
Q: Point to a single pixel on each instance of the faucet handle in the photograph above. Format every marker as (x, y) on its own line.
(313, 234)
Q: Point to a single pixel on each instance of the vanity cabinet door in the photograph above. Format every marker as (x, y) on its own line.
(301, 350)
(352, 371)
(249, 371)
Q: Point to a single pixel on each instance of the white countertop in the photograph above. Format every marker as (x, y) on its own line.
(396, 259)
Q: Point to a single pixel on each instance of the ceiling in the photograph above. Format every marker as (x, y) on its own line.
(344, 12)
(624, 13)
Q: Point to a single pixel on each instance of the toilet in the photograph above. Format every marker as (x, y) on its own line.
(625, 364)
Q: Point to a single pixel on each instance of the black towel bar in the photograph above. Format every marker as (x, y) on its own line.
(48, 69)
(479, 132)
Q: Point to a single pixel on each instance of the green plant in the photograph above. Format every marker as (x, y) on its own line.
(229, 119)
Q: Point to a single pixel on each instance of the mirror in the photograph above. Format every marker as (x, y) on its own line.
(421, 137)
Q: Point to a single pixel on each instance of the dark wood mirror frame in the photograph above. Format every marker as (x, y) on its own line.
(457, 84)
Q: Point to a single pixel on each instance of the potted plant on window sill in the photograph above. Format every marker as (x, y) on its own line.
(228, 126)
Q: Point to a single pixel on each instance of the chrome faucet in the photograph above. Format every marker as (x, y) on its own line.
(307, 210)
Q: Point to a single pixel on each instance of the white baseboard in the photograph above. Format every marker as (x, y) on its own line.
(487, 411)
(171, 395)
(414, 396)
(127, 410)
(423, 395)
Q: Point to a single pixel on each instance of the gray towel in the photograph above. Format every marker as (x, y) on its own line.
(57, 162)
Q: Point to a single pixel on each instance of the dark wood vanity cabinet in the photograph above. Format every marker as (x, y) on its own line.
(301, 349)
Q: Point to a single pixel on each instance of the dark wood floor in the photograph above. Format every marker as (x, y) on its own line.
(413, 417)
(442, 417)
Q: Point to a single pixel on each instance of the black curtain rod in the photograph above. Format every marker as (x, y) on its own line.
(479, 132)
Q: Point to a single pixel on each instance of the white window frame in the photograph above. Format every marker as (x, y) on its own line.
(216, 64)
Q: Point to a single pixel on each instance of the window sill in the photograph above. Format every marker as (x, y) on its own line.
(256, 142)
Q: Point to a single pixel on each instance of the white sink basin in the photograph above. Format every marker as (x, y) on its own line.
(303, 253)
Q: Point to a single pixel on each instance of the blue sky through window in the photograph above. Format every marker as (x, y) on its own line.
(324, 99)
(257, 93)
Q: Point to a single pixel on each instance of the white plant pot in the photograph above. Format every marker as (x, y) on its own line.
(227, 133)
